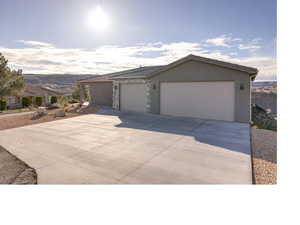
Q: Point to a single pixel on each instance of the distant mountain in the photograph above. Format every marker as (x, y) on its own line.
(58, 79)
(57, 82)
(264, 84)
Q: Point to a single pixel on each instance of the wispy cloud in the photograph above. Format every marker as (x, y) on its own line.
(222, 41)
(43, 58)
(252, 45)
(36, 44)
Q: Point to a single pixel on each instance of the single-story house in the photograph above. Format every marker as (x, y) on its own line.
(32, 91)
(193, 86)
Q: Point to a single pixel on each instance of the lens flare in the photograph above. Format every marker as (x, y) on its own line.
(98, 19)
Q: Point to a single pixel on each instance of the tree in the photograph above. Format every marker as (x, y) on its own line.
(39, 100)
(53, 99)
(11, 81)
(26, 101)
(76, 93)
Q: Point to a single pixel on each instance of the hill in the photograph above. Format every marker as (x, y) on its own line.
(58, 82)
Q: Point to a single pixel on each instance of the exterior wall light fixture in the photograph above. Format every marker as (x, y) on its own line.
(242, 87)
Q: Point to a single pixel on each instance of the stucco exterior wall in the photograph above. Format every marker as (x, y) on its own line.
(101, 93)
(193, 71)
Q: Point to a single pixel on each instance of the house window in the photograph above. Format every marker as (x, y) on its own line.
(12, 100)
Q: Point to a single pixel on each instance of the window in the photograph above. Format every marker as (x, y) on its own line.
(12, 100)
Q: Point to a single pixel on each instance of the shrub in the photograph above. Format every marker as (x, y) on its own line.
(262, 119)
(40, 112)
(53, 99)
(63, 101)
(26, 101)
(39, 101)
(2, 105)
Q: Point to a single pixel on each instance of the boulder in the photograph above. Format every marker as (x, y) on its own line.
(60, 114)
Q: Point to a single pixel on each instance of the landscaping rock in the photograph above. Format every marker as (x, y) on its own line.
(264, 147)
(60, 114)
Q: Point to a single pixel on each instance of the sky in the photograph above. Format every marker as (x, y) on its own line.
(61, 36)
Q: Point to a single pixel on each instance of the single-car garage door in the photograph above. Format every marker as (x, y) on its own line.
(205, 100)
(133, 97)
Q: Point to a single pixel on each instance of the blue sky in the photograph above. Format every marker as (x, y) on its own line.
(43, 36)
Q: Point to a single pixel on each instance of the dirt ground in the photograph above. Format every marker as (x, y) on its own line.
(264, 147)
(15, 171)
(13, 121)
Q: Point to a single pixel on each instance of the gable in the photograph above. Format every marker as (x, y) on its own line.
(200, 71)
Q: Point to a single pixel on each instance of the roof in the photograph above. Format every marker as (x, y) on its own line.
(35, 90)
(151, 71)
(140, 72)
(131, 73)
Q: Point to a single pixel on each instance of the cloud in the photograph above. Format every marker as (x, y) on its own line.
(45, 58)
(249, 47)
(35, 44)
(252, 45)
(223, 41)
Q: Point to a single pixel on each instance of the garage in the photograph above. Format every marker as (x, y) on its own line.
(192, 86)
(133, 97)
(205, 100)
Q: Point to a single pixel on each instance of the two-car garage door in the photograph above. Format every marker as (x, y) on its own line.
(206, 100)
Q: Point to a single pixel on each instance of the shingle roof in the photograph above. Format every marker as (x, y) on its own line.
(131, 73)
(140, 72)
(150, 71)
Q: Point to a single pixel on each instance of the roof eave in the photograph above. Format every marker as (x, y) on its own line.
(124, 78)
(94, 81)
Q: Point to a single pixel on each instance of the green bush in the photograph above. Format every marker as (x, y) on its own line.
(26, 101)
(39, 101)
(53, 99)
(2, 105)
(63, 101)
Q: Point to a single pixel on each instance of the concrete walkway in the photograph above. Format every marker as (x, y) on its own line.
(126, 148)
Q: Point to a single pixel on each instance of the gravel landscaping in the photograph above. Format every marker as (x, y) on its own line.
(264, 147)
(15, 171)
(13, 121)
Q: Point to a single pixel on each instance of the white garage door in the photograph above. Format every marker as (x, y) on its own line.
(206, 100)
(133, 97)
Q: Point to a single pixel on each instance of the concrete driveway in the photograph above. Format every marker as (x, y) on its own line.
(127, 148)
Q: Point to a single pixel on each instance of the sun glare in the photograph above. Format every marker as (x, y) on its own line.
(97, 19)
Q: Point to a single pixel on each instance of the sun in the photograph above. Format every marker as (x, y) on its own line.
(98, 19)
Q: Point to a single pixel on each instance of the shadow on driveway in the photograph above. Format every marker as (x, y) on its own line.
(229, 135)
